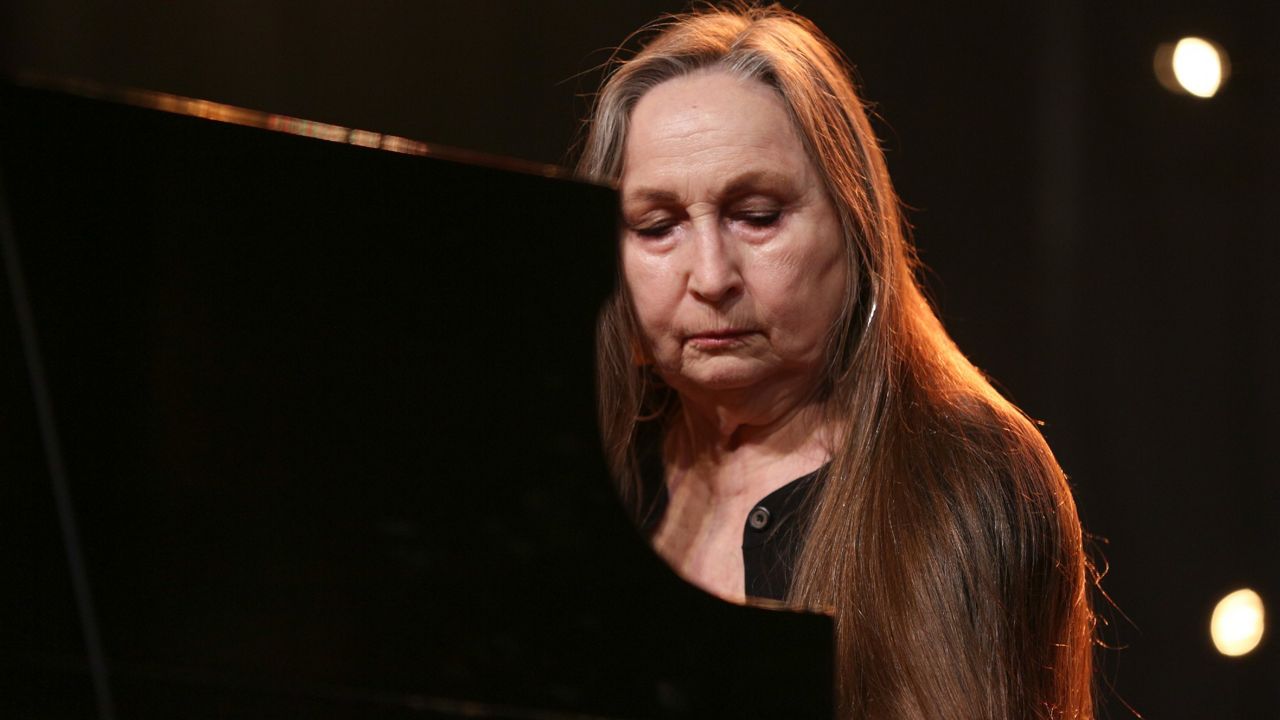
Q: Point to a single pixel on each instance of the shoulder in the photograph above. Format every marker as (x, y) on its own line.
(989, 492)
(981, 441)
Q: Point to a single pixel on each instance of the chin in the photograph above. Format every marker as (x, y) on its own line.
(720, 377)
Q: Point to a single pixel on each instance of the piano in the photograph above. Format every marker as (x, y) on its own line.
(299, 421)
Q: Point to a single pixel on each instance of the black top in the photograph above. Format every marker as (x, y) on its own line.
(770, 537)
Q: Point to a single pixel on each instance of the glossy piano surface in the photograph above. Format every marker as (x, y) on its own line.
(324, 416)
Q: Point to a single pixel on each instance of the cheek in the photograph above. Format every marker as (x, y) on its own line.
(805, 290)
(652, 288)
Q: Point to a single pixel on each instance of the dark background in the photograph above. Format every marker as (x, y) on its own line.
(1104, 249)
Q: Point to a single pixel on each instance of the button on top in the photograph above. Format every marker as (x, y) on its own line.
(759, 518)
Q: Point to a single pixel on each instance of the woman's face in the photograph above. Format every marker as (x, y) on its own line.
(731, 249)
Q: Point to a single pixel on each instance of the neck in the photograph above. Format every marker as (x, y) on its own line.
(733, 450)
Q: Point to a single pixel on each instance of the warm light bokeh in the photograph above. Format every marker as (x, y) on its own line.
(1194, 66)
(1238, 623)
(1198, 66)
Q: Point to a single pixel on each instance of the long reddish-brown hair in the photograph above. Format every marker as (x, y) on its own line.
(945, 539)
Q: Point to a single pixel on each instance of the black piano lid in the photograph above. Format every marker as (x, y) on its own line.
(325, 417)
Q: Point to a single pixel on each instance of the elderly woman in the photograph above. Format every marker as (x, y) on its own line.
(784, 413)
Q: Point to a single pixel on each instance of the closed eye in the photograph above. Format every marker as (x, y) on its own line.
(760, 219)
(659, 230)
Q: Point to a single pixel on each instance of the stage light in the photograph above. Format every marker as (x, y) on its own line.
(1237, 623)
(1193, 65)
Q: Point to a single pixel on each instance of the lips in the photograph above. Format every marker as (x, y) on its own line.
(719, 334)
(711, 339)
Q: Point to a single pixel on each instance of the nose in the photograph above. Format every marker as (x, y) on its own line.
(715, 275)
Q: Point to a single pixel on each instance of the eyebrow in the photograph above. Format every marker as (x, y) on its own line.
(763, 179)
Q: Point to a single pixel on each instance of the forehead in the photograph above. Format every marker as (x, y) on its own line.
(709, 126)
